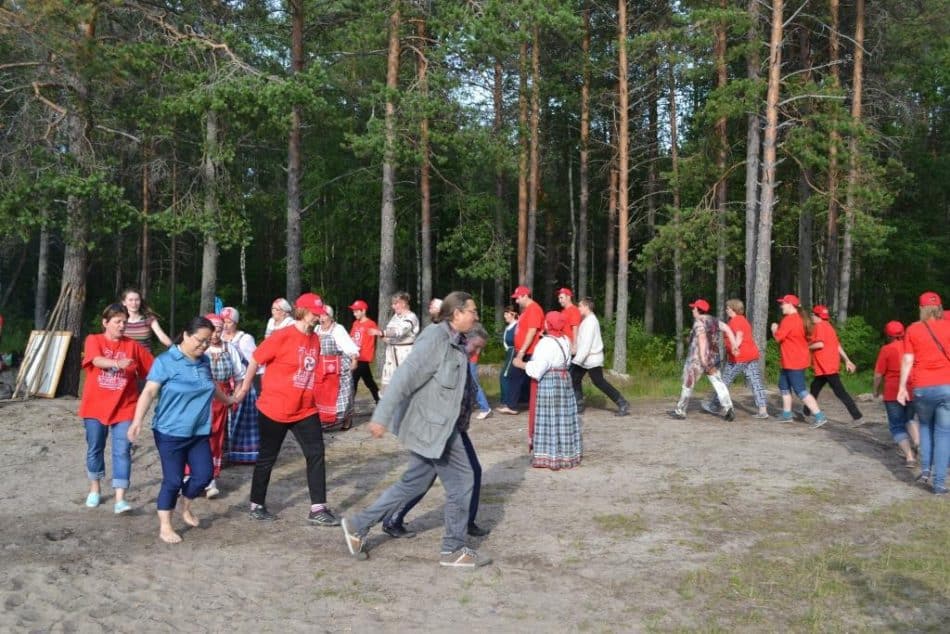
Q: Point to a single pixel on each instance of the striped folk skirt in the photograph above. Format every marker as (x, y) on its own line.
(244, 436)
(557, 427)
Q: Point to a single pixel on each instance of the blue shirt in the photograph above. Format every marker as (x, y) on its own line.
(184, 403)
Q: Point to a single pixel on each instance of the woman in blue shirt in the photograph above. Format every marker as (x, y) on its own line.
(181, 380)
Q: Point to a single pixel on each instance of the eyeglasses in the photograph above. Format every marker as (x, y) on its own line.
(202, 343)
(474, 311)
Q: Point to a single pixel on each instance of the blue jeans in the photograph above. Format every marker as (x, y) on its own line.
(897, 418)
(175, 452)
(480, 399)
(96, 434)
(933, 410)
(792, 381)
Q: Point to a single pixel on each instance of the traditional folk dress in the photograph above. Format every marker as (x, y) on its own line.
(226, 370)
(244, 436)
(557, 428)
(400, 333)
(334, 389)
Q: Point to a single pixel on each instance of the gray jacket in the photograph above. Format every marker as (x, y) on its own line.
(423, 400)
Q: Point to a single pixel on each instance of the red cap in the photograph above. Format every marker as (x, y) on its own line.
(311, 302)
(701, 304)
(789, 299)
(359, 305)
(893, 329)
(565, 291)
(930, 299)
(521, 291)
(821, 311)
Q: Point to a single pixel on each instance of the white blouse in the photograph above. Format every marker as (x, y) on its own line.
(551, 353)
(342, 340)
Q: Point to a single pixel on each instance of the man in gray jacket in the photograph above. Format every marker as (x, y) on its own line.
(427, 404)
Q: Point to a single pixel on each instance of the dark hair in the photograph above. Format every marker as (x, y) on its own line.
(589, 302)
(454, 301)
(194, 325)
(403, 295)
(144, 308)
(112, 310)
(511, 308)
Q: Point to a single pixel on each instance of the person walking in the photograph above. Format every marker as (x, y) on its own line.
(927, 356)
(572, 315)
(363, 332)
(743, 358)
(400, 333)
(827, 354)
(427, 406)
(510, 316)
(527, 334)
(702, 358)
(887, 375)
(338, 355)
(288, 404)
(142, 322)
(792, 336)
(227, 370)
(589, 359)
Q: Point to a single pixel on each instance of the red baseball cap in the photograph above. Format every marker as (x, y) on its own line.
(565, 291)
(311, 302)
(930, 299)
(821, 310)
(701, 304)
(359, 305)
(893, 329)
(789, 299)
(521, 291)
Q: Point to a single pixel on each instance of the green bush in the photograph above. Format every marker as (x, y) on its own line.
(860, 341)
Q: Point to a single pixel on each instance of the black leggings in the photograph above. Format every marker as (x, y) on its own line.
(363, 371)
(597, 378)
(309, 435)
(835, 382)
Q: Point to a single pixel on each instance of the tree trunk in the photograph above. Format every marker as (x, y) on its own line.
(623, 192)
(677, 249)
(293, 158)
(144, 281)
(831, 249)
(387, 223)
(209, 256)
(524, 144)
(805, 220)
(500, 206)
(610, 252)
(571, 210)
(583, 174)
(173, 252)
(752, 164)
(533, 158)
(763, 258)
(653, 144)
(721, 155)
(844, 290)
(424, 192)
(42, 281)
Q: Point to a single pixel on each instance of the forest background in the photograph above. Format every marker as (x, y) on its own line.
(643, 153)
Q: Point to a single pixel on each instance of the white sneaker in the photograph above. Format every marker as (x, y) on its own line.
(482, 415)
(211, 491)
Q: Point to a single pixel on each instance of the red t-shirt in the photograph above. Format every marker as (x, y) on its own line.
(888, 365)
(748, 351)
(793, 347)
(292, 359)
(366, 342)
(931, 366)
(532, 317)
(109, 395)
(827, 360)
(572, 318)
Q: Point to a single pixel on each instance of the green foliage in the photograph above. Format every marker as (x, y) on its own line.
(860, 341)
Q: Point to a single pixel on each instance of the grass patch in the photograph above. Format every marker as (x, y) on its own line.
(626, 525)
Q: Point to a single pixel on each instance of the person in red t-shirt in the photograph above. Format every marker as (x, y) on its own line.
(287, 403)
(114, 365)
(743, 358)
(827, 354)
(927, 355)
(887, 375)
(572, 316)
(527, 334)
(363, 332)
(792, 336)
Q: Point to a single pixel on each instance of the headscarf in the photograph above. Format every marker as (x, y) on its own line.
(230, 312)
(554, 323)
(215, 319)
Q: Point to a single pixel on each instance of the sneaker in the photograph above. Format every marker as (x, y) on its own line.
(623, 408)
(941, 490)
(464, 557)
(761, 415)
(398, 531)
(261, 513)
(784, 417)
(923, 478)
(211, 491)
(323, 517)
(482, 415)
(730, 415)
(477, 531)
(708, 407)
(678, 414)
(92, 500)
(504, 409)
(820, 420)
(354, 543)
(121, 507)
(857, 422)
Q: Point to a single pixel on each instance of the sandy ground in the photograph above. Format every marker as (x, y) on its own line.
(598, 548)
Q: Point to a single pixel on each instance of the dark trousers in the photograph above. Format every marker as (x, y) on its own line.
(309, 435)
(175, 452)
(818, 383)
(517, 381)
(597, 378)
(363, 371)
(396, 518)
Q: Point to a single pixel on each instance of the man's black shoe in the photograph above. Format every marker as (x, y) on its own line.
(477, 531)
(398, 531)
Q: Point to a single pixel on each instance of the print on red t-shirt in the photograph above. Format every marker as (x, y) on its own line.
(109, 395)
(366, 342)
(291, 358)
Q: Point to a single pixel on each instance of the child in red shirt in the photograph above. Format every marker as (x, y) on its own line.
(826, 361)
(792, 336)
(363, 332)
(887, 374)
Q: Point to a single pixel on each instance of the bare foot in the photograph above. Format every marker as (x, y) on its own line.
(189, 518)
(169, 536)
